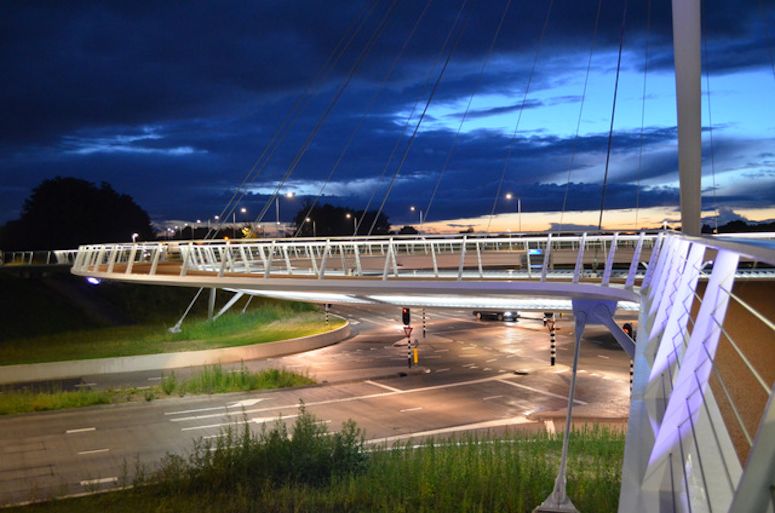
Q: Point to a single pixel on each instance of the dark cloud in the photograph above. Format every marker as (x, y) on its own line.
(173, 103)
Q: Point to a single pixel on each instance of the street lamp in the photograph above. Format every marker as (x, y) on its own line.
(242, 210)
(355, 222)
(509, 196)
(314, 226)
(289, 195)
(413, 208)
(135, 236)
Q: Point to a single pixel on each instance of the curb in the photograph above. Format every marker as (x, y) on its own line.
(31, 372)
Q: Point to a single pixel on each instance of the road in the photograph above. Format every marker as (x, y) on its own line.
(472, 375)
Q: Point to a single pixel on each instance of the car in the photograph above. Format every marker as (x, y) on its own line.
(496, 315)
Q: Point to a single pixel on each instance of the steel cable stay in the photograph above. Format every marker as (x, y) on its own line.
(329, 108)
(404, 131)
(474, 92)
(411, 140)
(366, 114)
(574, 144)
(294, 112)
(642, 112)
(519, 115)
(289, 120)
(613, 118)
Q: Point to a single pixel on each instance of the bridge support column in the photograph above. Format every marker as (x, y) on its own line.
(236, 297)
(211, 304)
(558, 501)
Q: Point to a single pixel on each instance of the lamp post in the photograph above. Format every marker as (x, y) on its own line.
(355, 222)
(314, 226)
(242, 210)
(413, 208)
(135, 236)
(289, 195)
(509, 196)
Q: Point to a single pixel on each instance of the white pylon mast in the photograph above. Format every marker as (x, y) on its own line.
(686, 49)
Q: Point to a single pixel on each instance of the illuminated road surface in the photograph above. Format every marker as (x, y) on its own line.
(466, 381)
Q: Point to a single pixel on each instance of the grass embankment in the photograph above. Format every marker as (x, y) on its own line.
(211, 380)
(315, 471)
(272, 322)
(61, 318)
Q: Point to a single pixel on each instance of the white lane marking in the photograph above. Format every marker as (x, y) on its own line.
(468, 348)
(604, 357)
(486, 369)
(492, 397)
(511, 355)
(93, 451)
(490, 360)
(80, 430)
(293, 406)
(89, 482)
(452, 429)
(538, 391)
(246, 402)
(410, 409)
(470, 365)
(183, 412)
(257, 420)
(441, 351)
(380, 385)
(157, 378)
(550, 429)
(80, 385)
(354, 322)
(443, 370)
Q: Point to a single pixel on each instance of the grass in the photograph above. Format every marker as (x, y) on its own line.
(58, 317)
(271, 322)
(311, 470)
(211, 380)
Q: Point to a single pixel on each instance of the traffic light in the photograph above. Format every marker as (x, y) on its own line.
(406, 316)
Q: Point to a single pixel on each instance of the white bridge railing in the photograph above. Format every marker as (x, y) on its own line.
(29, 258)
(572, 258)
(701, 433)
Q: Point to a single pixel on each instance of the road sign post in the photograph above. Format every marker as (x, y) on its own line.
(408, 333)
(549, 321)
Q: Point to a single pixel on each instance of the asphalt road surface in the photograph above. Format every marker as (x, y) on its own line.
(473, 375)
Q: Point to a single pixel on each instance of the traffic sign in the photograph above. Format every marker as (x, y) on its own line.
(408, 331)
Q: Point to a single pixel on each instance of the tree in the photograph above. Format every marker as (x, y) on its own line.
(63, 213)
(408, 230)
(329, 220)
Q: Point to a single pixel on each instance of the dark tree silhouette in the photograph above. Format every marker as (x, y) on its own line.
(328, 220)
(63, 213)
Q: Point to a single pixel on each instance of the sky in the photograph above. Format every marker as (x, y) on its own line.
(185, 104)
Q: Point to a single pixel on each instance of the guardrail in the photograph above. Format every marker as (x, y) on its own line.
(701, 434)
(55, 257)
(572, 258)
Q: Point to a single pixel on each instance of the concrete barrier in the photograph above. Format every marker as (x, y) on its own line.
(76, 368)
